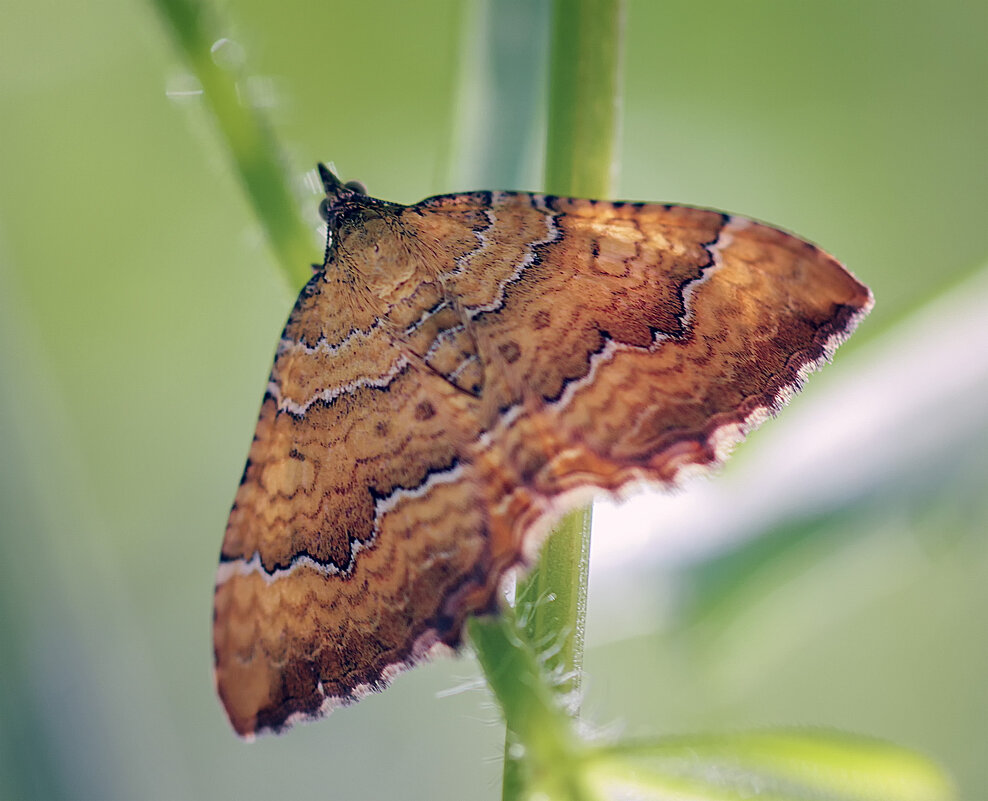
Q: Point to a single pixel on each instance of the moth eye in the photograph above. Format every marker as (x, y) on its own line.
(324, 209)
(356, 186)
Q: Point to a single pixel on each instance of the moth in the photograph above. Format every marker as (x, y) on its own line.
(456, 375)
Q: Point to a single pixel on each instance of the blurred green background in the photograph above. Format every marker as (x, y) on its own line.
(140, 305)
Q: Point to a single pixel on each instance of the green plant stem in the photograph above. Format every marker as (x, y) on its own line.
(256, 156)
(539, 655)
(584, 96)
(552, 601)
(582, 130)
(544, 750)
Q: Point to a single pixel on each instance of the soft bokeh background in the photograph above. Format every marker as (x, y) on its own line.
(836, 574)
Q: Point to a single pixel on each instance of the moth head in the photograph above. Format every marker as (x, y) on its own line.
(341, 198)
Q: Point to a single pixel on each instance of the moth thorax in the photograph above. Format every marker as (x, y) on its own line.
(376, 250)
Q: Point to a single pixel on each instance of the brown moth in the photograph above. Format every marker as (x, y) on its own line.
(452, 378)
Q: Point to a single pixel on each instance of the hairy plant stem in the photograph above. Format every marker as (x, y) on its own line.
(533, 658)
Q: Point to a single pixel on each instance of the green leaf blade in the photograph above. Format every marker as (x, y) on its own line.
(789, 765)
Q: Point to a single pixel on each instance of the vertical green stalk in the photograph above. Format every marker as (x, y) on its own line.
(256, 156)
(584, 101)
(533, 658)
(543, 753)
(551, 604)
(584, 97)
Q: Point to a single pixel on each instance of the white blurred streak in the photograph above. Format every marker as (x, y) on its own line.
(228, 54)
(183, 86)
(312, 183)
(893, 403)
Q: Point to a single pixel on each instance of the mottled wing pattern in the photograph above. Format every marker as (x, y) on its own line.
(352, 536)
(425, 420)
(632, 341)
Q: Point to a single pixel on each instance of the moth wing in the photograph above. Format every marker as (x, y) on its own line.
(630, 342)
(355, 546)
